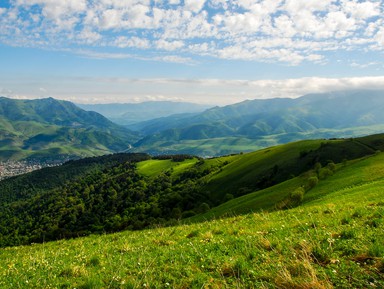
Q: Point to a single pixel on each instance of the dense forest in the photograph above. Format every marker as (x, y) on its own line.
(103, 200)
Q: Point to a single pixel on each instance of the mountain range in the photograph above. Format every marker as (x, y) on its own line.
(253, 124)
(49, 128)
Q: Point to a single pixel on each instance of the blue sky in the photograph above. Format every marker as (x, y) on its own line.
(204, 51)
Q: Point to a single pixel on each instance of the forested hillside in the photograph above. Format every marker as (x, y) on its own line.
(135, 191)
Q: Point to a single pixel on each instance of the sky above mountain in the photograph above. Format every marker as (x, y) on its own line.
(204, 51)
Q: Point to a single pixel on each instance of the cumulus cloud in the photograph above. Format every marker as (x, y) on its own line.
(246, 29)
(169, 45)
(123, 42)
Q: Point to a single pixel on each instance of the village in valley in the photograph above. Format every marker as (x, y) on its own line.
(13, 168)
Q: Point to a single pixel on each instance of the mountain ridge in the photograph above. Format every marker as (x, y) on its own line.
(47, 127)
(281, 118)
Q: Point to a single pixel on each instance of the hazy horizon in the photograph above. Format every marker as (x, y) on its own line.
(202, 51)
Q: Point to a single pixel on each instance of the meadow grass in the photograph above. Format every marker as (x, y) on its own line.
(333, 242)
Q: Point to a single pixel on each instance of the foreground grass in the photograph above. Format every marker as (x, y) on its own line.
(335, 242)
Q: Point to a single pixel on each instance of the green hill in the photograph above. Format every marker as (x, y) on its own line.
(52, 129)
(333, 239)
(136, 191)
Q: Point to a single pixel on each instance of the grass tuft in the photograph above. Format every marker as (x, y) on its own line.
(94, 261)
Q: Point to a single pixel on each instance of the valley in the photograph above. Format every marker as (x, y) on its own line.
(52, 130)
(296, 211)
(191, 144)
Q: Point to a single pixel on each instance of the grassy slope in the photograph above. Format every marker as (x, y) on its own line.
(241, 172)
(152, 168)
(363, 172)
(335, 239)
(244, 171)
(247, 170)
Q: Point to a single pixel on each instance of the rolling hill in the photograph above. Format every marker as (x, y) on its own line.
(135, 191)
(332, 238)
(53, 129)
(262, 123)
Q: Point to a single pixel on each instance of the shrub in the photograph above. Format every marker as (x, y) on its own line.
(228, 197)
(293, 200)
(324, 173)
(203, 208)
(311, 183)
(187, 214)
(297, 196)
(331, 166)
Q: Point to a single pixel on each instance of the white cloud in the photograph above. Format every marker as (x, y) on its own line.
(290, 31)
(169, 45)
(362, 10)
(102, 55)
(88, 36)
(194, 5)
(175, 59)
(379, 37)
(62, 13)
(123, 42)
(338, 21)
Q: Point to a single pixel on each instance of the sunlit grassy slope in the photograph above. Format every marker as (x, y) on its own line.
(152, 168)
(334, 239)
(366, 172)
(243, 173)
